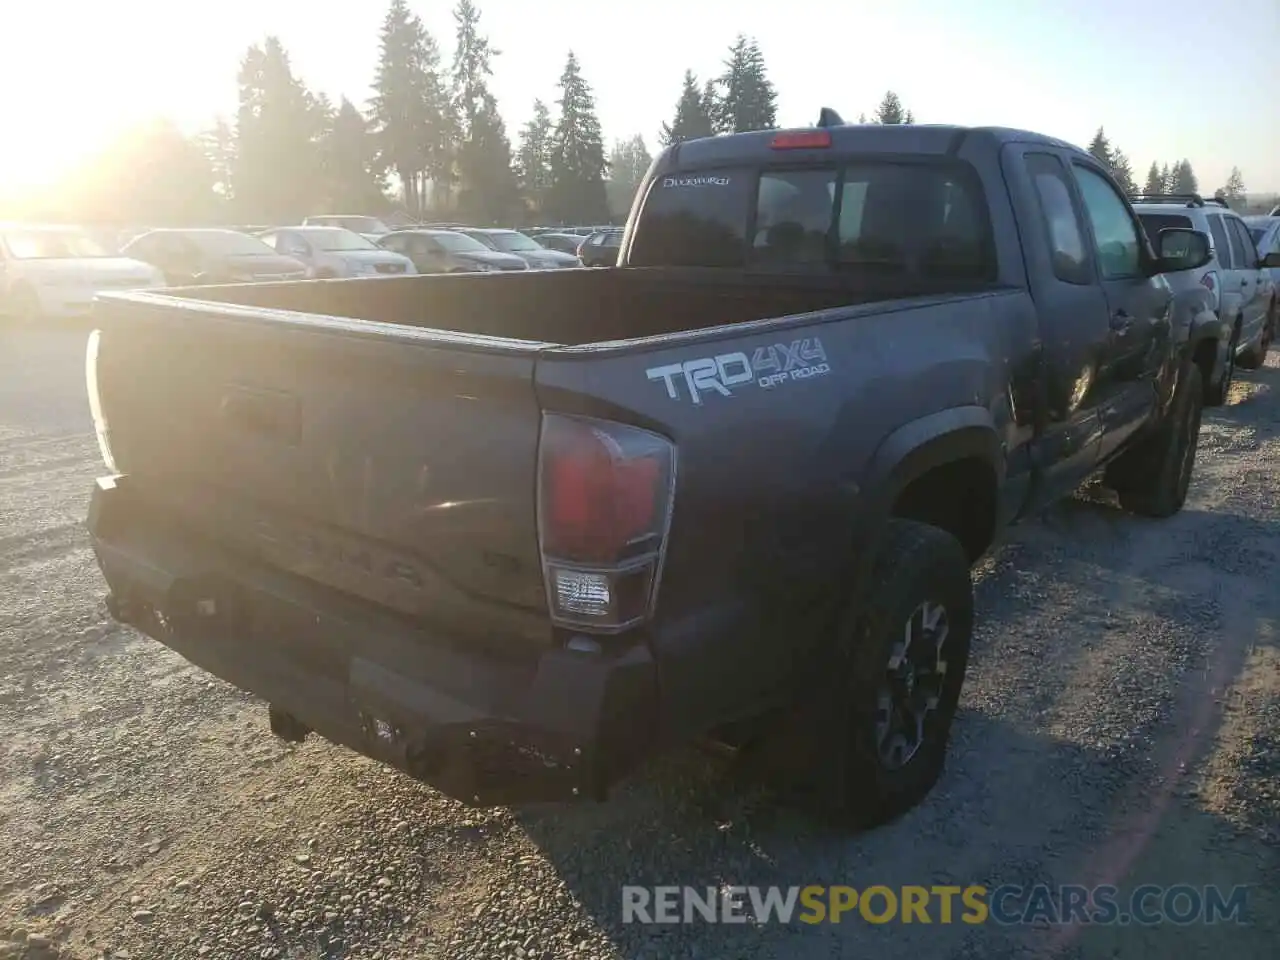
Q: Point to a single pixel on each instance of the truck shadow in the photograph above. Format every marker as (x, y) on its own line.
(1118, 600)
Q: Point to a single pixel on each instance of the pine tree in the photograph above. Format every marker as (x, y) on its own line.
(1166, 179)
(219, 146)
(1184, 178)
(1233, 191)
(578, 164)
(152, 174)
(628, 163)
(533, 161)
(890, 110)
(749, 100)
(1155, 180)
(488, 184)
(351, 183)
(713, 106)
(411, 117)
(1122, 171)
(693, 117)
(1100, 148)
(277, 170)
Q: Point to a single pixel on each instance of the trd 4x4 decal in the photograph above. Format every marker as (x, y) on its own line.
(766, 368)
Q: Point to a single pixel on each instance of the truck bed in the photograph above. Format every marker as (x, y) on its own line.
(564, 307)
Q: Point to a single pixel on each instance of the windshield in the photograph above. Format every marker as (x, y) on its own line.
(459, 243)
(513, 242)
(52, 245)
(228, 243)
(1257, 233)
(336, 239)
(869, 216)
(356, 224)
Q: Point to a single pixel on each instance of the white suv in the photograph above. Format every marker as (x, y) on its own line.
(1240, 290)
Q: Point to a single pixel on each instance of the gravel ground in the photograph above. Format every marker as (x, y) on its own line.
(1121, 724)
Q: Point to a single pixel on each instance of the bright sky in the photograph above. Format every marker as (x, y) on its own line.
(74, 72)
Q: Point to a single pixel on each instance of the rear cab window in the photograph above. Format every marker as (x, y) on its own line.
(924, 220)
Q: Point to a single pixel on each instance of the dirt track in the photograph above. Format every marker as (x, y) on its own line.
(1121, 725)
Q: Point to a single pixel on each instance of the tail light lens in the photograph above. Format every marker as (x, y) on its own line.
(604, 508)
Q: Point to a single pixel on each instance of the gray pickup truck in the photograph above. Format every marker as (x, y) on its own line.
(514, 533)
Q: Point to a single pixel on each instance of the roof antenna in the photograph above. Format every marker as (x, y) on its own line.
(829, 118)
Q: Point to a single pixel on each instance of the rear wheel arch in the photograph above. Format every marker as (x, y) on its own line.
(944, 470)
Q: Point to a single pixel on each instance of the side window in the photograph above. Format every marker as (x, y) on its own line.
(1115, 235)
(271, 240)
(1062, 223)
(1245, 252)
(393, 243)
(1221, 245)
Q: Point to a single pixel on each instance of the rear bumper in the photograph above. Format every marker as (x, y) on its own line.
(484, 728)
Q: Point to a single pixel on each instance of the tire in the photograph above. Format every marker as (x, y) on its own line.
(1152, 479)
(919, 585)
(1215, 395)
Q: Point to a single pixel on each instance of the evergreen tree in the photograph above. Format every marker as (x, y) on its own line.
(1155, 180)
(628, 163)
(713, 106)
(693, 117)
(411, 117)
(1233, 191)
(577, 160)
(1184, 178)
(1100, 148)
(749, 100)
(351, 183)
(890, 110)
(533, 162)
(277, 171)
(151, 174)
(219, 146)
(1122, 171)
(488, 184)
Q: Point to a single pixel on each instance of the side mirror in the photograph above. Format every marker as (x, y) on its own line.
(1271, 261)
(1181, 248)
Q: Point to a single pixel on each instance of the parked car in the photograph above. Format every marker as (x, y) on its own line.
(1239, 291)
(601, 248)
(562, 242)
(330, 252)
(368, 227)
(212, 256)
(473, 543)
(444, 251)
(527, 249)
(54, 272)
(1265, 232)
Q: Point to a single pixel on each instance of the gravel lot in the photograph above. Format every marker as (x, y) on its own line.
(1121, 724)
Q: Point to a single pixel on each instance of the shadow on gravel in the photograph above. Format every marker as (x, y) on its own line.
(1013, 807)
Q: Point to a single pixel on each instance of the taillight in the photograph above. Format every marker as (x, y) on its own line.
(802, 140)
(604, 508)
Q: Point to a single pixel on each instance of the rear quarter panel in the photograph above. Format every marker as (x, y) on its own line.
(773, 478)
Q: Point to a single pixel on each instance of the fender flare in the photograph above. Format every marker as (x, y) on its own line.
(920, 445)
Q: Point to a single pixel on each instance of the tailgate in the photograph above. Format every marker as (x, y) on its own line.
(376, 460)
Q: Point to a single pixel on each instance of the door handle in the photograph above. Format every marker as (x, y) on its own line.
(1121, 322)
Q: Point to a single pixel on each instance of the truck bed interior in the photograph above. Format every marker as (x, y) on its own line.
(567, 307)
